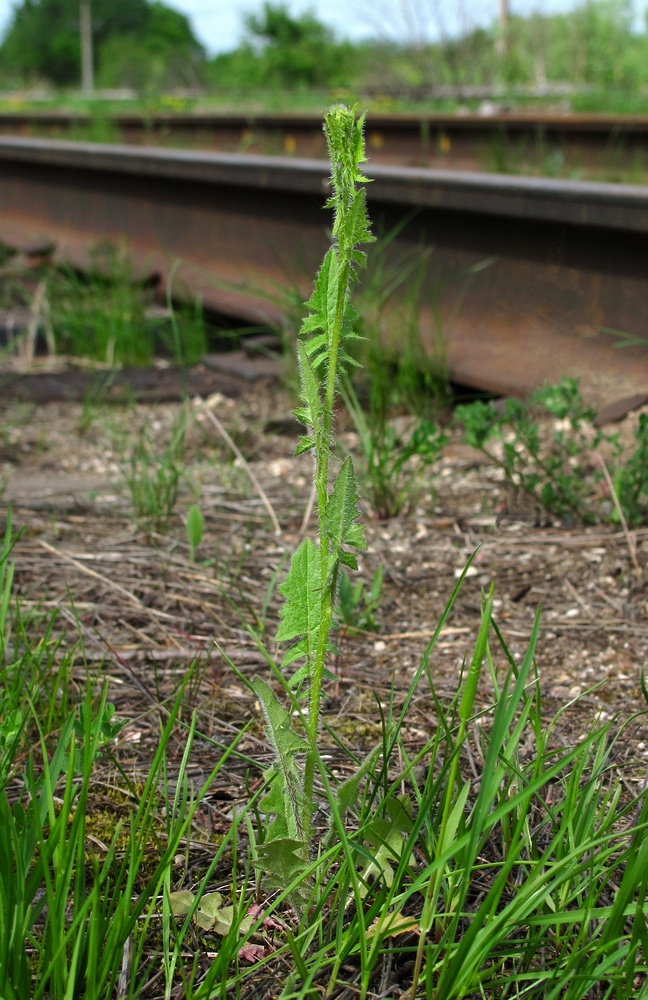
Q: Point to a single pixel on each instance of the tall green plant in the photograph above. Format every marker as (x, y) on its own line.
(310, 588)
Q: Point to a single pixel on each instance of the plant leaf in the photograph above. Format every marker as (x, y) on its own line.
(342, 512)
(318, 304)
(207, 911)
(302, 611)
(223, 920)
(392, 925)
(346, 795)
(305, 443)
(283, 859)
(386, 836)
(311, 413)
(181, 902)
(195, 525)
(286, 744)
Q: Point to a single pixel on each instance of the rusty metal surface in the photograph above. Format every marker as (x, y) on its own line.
(619, 206)
(511, 142)
(522, 277)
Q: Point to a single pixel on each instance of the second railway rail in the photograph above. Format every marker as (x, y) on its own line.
(522, 280)
(595, 146)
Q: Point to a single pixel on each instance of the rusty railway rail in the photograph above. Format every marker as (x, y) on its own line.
(523, 279)
(596, 146)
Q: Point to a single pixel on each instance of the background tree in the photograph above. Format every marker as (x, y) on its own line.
(282, 50)
(594, 45)
(483, 42)
(42, 40)
(165, 54)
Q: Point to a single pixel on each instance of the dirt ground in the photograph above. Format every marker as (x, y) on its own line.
(145, 610)
(136, 611)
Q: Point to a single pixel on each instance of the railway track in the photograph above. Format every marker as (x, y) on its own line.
(585, 146)
(522, 280)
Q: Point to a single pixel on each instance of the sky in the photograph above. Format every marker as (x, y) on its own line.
(217, 23)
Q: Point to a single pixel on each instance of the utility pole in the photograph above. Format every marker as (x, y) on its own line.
(503, 28)
(87, 75)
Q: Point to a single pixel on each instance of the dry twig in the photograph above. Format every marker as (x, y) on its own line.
(253, 479)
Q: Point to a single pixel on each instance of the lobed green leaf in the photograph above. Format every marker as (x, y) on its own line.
(286, 745)
(311, 413)
(301, 613)
(342, 514)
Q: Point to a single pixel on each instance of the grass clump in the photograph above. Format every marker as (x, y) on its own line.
(397, 289)
(358, 603)
(399, 391)
(82, 916)
(558, 473)
(106, 315)
(100, 315)
(154, 476)
(525, 879)
(631, 479)
(69, 914)
(561, 470)
(394, 461)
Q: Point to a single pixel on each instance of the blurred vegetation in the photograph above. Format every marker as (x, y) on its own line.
(162, 55)
(282, 50)
(594, 44)
(137, 43)
(597, 50)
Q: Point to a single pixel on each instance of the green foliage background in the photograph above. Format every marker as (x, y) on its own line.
(599, 46)
(134, 41)
(282, 50)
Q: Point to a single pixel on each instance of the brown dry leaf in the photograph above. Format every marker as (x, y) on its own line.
(392, 925)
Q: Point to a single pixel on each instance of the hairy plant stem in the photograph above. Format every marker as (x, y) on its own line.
(343, 249)
(310, 587)
(322, 455)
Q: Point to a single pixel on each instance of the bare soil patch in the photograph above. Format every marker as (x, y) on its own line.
(145, 604)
